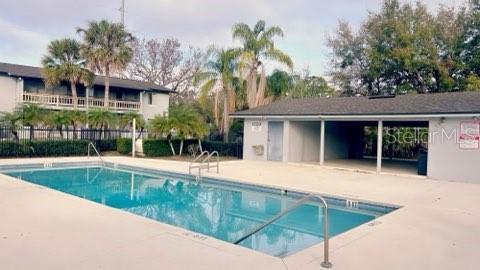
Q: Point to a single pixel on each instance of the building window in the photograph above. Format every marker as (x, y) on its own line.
(150, 98)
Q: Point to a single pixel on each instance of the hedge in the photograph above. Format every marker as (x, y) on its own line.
(44, 148)
(106, 145)
(156, 148)
(224, 149)
(161, 147)
(124, 146)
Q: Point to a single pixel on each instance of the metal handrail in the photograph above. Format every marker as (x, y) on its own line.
(192, 163)
(326, 263)
(202, 164)
(96, 151)
(207, 159)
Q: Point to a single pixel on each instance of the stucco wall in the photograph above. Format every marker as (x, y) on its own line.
(446, 160)
(8, 93)
(159, 105)
(255, 136)
(304, 141)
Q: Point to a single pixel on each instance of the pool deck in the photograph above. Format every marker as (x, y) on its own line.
(436, 228)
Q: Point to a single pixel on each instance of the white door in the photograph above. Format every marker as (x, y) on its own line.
(275, 141)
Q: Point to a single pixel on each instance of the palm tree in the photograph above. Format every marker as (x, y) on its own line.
(183, 121)
(102, 119)
(107, 48)
(76, 119)
(161, 125)
(63, 62)
(11, 121)
(31, 115)
(219, 75)
(57, 120)
(126, 121)
(258, 44)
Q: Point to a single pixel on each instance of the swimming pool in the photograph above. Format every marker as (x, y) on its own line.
(218, 208)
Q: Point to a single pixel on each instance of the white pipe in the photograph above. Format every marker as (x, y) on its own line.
(133, 136)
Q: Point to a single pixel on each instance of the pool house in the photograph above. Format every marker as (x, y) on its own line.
(344, 132)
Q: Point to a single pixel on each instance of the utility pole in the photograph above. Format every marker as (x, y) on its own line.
(122, 12)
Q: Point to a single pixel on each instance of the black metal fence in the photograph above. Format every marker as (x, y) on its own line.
(26, 134)
(41, 141)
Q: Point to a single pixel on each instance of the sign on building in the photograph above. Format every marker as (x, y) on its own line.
(256, 126)
(469, 137)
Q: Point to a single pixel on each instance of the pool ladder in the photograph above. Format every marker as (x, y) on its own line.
(204, 163)
(91, 145)
(325, 263)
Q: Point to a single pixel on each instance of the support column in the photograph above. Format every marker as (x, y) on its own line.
(286, 140)
(379, 146)
(322, 142)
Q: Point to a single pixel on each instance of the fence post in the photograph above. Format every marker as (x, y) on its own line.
(133, 137)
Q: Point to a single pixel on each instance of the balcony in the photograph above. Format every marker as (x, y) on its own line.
(57, 101)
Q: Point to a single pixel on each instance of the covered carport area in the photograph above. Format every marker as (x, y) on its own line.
(353, 144)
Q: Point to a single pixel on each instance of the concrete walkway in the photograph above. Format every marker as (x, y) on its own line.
(437, 227)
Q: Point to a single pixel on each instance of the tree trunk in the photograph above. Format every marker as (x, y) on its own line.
(171, 147)
(252, 87)
(181, 148)
(261, 88)
(216, 114)
(200, 145)
(15, 135)
(31, 132)
(226, 118)
(74, 94)
(107, 87)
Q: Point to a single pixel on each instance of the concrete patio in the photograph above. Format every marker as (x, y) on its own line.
(436, 228)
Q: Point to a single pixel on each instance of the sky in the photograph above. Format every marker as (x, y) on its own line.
(27, 26)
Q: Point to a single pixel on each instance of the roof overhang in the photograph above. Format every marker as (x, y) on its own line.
(376, 117)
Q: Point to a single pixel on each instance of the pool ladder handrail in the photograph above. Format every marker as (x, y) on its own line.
(325, 263)
(204, 163)
(96, 151)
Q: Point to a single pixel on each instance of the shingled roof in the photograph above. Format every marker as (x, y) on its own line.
(410, 104)
(34, 72)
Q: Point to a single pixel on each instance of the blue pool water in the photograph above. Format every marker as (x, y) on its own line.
(224, 211)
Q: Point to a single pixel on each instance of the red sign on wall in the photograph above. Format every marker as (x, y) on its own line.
(469, 137)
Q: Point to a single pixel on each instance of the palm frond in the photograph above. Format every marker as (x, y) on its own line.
(242, 32)
(204, 90)
(272, 32)
(279, 56)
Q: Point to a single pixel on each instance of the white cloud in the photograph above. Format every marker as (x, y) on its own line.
(20, 45)
(27, 25)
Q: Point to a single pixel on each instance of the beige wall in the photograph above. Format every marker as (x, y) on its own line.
(304, 141)
(446, 160)
(255, 136)
(8, 93)
(159, 106)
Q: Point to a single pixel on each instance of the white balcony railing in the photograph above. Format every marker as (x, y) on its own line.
(67, 101)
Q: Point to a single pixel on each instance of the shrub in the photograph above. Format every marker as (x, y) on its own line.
(106, 145)
(224, 149)
(59, 148)
(124, 146)
(156, 148)
(13, 149)
(44, 148)
(161, 147)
